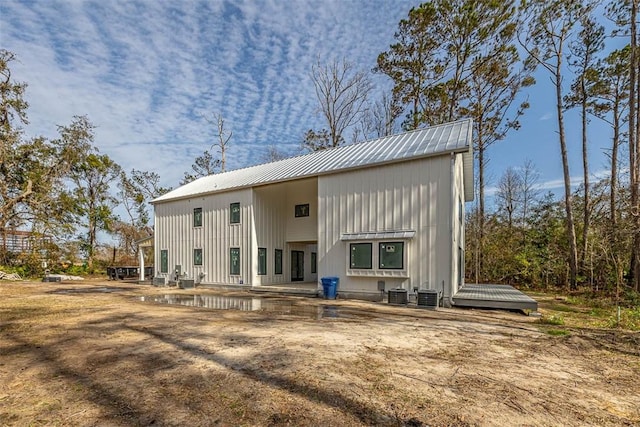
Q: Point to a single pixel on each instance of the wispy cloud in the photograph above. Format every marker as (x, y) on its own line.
(146, 72)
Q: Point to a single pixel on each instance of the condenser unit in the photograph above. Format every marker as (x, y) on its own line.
(159, 281)
(186, 283)
(428, 298)
(398, 296)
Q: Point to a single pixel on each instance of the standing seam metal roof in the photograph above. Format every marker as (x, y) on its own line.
(454, 137)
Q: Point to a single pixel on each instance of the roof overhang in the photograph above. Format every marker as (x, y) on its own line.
(379, 235)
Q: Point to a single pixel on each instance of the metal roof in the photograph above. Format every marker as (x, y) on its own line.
(454, 137)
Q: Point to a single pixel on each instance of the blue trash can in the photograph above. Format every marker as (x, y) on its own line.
(330, 287)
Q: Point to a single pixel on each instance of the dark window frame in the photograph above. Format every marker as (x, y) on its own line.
(164, 260)
(234, 217)
(195, 256)
(197, 217)
(380, 252)
(314, 262)
(351, 256)
(277, 260)
(302, 210)
(234, 271)
(262, 262)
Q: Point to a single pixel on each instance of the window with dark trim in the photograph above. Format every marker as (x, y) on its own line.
(262, 261)
(164, 261)
(197, 257)
(197, 217)
(234, 213)
(278, 261)
(391, 255)
(302, 210)
(234, 261)
(314, 263)
(360, 255)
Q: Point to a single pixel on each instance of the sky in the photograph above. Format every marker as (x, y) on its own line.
(147, 73)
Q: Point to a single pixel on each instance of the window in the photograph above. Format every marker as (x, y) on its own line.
(391, 255)
(234, 261)
(262, 261)
(278, 262)
(360, 255)
(164, 261)
(302, 210)
(197, 217)
(197, 257)
(314, 262)
(234, 213)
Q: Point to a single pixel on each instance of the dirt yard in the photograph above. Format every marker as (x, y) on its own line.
(87, 357)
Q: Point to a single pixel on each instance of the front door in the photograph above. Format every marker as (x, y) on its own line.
(297, 266)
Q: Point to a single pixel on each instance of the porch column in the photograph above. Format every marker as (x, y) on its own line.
(141, 262)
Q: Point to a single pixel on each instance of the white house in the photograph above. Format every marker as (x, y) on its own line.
(387, 212)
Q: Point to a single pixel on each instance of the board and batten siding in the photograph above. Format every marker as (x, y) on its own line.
(457, 219)
(175, 232)
(414, 195)
(276, 226)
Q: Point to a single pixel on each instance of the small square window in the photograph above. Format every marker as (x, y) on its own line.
(302, 210)
(391, 255)
(197, 257)
(262, 261)
(234, 261)
(197, 217)
(164, 261)
(360, 255)
(234, 213)
(278, 261)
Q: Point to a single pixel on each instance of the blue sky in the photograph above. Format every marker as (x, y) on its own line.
(145, 72)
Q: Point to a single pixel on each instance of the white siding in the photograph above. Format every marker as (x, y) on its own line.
(458, 216)
(175, 232)
(414, 195)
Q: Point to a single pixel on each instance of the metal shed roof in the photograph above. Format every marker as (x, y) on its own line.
(454, 137)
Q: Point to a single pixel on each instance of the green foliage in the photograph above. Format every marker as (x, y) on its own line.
(554, 319)
(558, 332)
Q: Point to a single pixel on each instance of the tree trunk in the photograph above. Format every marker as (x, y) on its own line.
(614, 167)
(481, 185)
(634, 149)
(571, 231)
(585, 165)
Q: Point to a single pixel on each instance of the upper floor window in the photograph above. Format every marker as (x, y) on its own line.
(234, 213)
(197, 217)
(302, 210)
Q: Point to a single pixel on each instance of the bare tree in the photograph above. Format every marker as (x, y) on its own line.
(342, 92)
(509, 194)
(223, 135)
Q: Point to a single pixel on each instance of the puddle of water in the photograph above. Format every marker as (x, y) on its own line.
(272, 306)
(104, 289)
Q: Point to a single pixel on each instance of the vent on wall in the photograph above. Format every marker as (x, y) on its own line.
(428, 298)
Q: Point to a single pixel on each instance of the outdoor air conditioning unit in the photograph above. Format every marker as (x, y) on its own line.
(398, 296)
(159, 281)
(428, 298)
(187, 283)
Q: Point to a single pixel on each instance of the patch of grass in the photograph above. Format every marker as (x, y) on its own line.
(554, 319)
(558, 332)
(629, 319)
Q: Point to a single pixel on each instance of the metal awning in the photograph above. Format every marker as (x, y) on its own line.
(378, 235)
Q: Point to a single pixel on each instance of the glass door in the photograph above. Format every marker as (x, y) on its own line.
(297, 266)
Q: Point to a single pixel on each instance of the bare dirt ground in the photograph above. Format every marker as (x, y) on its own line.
(93, 358)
